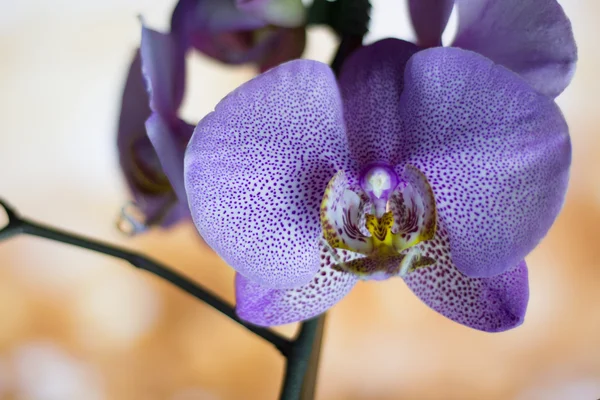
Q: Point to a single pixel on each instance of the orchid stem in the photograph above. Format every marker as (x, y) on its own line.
(302, 363)
(17, 225)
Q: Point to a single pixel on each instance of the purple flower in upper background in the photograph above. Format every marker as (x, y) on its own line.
(436, 166)
(532, 38)
(263, 32)
(151, 138)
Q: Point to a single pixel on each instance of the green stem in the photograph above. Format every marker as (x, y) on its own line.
(303, 361)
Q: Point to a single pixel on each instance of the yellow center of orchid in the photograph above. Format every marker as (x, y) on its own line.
(381, 232)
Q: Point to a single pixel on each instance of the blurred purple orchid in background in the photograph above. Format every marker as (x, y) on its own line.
(532, 38)
(151, 138)
(156, 203)
(437, 166)
(263, 32)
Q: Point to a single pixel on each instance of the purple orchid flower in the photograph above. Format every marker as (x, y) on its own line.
(532, 38)
(263, 32)
(156, 201)
(437, 166)
(151, 138)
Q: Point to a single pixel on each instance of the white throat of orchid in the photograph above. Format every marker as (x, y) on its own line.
(384, 219)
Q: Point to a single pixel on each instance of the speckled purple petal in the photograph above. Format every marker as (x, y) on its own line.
(495, 152)
(488, 304)
(134, 146)
(169, 138)
(163, 66)
(532, 38)
(257, 167)
(264, 306)
(371, 82)
(429, 18)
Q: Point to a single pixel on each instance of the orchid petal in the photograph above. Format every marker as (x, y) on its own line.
(163, 65)
(191, 17)
(169, 139)
(429, 18)
(256, 169)
(488, 304)
(532, 38)
(261, 305)
(371, 81)
(134, 111)
(495, 152)
(151, 190)
(220, 30)
(284, 13)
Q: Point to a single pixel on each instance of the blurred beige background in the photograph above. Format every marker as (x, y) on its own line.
(78, 325)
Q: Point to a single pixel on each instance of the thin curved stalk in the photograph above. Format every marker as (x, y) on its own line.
(303, 362)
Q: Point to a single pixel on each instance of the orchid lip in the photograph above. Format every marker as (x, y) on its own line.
(383, 221)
